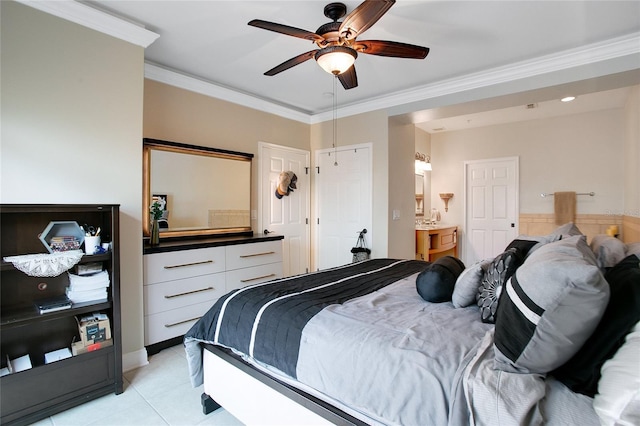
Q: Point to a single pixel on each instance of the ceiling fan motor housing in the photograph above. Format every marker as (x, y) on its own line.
(335, 11)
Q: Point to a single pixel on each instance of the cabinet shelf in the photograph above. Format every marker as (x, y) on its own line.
(46, 389)
(28, 315)
(8, 266)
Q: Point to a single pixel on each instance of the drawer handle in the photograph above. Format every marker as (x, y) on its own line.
(258, 278)
(181, 322)
(188, 292)
(188, 264)
(256, 254)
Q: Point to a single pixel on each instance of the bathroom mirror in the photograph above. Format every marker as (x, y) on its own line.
(419, 195)
(203, 191)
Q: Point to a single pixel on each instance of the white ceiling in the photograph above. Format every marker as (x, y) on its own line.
(469, 41)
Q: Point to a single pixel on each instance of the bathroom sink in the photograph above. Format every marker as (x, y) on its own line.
(426, 227)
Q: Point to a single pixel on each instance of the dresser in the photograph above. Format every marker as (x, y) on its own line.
(183, 279)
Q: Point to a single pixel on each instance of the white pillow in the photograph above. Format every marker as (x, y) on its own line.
(618, 399)
(466, 288)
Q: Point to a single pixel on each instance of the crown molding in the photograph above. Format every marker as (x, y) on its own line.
(584, 55)
(192, 84)
(599, 52)
(95, 19)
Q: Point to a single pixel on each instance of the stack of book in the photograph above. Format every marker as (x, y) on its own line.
(88, 288)
(64, 243)
(53, 304)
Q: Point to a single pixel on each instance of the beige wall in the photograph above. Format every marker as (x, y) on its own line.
(371, 128)
(71, 129)
(178, 115)
(402, 143)
(582, 152)
(632, 154)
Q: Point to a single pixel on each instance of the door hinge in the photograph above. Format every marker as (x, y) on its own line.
(318, 221)
(306, 221)
(306, 170)
(318, 169)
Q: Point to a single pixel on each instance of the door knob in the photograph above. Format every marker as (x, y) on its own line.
(266, 232)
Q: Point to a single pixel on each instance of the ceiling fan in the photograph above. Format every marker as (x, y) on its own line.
(338, 47)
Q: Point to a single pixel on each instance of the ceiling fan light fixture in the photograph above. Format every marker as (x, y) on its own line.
(336, 59)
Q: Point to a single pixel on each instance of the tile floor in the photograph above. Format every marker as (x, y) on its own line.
(157, 394)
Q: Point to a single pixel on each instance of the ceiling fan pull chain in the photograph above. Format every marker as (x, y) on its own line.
(335, 119)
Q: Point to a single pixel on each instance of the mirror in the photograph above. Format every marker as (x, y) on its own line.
(204, 191)
(419, 195)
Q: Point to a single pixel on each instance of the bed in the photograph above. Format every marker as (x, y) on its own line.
(358, 344)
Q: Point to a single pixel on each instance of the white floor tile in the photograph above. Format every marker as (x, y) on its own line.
(159, 393)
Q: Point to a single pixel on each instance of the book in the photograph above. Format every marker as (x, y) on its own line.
(57, 355)
(53, 304)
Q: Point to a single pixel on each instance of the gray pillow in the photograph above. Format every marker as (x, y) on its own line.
(550, 307)
(466, 288)
(632, 248)
(609, 250)
(567, 230)
(541, 240)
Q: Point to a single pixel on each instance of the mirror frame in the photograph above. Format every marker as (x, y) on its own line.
(155, 144)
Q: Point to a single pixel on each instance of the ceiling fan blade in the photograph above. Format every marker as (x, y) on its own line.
(391, 48)
(285, 29)
(349, 79)
(363, 17)
(296, 60)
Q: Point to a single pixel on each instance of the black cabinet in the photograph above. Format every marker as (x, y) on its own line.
(48, 388)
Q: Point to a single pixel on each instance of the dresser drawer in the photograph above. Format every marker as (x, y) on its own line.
(176, 322)
(175, 265)
(176, 294)
(239, 278)
(246, 255)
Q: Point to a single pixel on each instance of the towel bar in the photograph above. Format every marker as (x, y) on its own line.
(591, 194)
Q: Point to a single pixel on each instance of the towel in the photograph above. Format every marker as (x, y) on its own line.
(564, 205)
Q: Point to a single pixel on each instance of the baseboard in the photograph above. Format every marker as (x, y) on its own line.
(133, 360)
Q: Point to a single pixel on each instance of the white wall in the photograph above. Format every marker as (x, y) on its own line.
(72, 130)
(582, 152)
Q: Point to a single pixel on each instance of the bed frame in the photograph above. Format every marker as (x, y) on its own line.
(254, 397)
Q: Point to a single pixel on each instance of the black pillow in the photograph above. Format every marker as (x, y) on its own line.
(496, 276)
(582, 372)
(436, 282)
(522, 246)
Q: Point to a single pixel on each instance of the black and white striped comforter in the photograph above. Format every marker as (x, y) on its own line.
(265, 321)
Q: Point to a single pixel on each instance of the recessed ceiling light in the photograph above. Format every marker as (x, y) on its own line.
(568, 98)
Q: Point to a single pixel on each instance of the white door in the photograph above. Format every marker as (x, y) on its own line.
(289, 215)
(491, 206)
(343, 203)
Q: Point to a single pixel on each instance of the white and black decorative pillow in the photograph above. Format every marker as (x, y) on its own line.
(549, 308)
(497, 274)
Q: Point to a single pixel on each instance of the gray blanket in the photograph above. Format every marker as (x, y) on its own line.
(396, 359)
